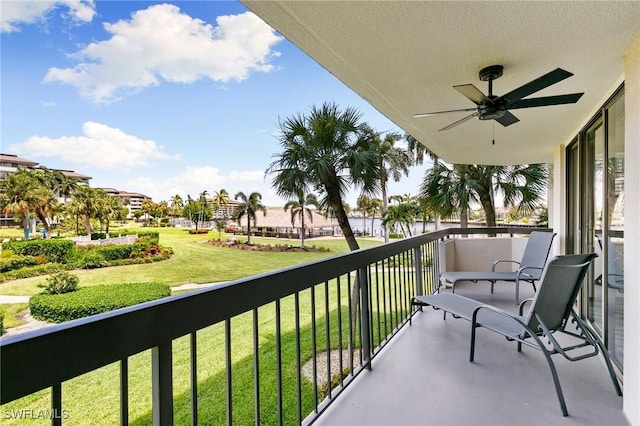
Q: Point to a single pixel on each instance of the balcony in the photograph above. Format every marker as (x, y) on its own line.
(244, 353)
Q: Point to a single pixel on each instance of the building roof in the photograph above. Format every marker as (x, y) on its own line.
(277, 217)
(405, 57)
(72, 174)
(11, 158)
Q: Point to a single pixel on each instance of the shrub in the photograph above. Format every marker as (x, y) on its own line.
(92, 260)
(198, 231)
(94, 300)
(116, 252)
(62, 282)
(16, 262)
(32, 271)
(54, 250)
(1, 323)
(98, 235)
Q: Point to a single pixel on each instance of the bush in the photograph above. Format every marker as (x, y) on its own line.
(116, 252)
(53, 250)
(198, 231)
(16, 262)
(92, 260)
(62, 282)
(94, 300)
(32, 271)
(1, 323)
(98, 235)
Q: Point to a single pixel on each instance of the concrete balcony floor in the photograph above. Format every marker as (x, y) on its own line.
(424, 377)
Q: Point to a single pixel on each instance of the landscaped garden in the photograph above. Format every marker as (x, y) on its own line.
(194, 260)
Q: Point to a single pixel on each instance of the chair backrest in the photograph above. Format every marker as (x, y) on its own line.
(536, 252)
(559, 290)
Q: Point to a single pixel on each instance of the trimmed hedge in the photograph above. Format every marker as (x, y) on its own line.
(32, 271)
(94, 300)
(16, 262)
(53, 250)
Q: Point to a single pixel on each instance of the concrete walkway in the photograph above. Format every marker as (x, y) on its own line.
(14, 299)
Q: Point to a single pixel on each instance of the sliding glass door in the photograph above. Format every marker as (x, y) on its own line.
(595, 219)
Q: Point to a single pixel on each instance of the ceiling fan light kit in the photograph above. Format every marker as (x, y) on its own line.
(492, 107)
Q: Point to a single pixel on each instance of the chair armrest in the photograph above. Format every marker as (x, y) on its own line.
(493, 267)
(521, 270)
(522, 304)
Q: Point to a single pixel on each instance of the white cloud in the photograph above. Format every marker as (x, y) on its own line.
(14, 13)
(194, 180)
(102, 147)
(162, 44)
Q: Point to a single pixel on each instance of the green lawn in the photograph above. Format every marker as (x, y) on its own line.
(87, 396)
(194, 261)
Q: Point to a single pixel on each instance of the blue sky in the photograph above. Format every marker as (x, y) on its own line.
(158, 98)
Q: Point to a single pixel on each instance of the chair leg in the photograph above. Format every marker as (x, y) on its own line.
(605, 355)
(472, 346)
(556, 383)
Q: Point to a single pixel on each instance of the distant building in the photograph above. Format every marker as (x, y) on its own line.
(132, 200)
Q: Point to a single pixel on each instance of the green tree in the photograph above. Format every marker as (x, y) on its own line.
(45, 206)
(87, 204)
(147, 207)
(298, 208)
(176, 204)
(221, 201)
(363, 205)
(17, 196)
(403, 215)
(393, 162)
(249, 206)
(454, 188)
(328, 151)
(108, 209)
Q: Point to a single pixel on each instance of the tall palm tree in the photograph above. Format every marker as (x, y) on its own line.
(221, 200)
(66, 187)
(176, 204)
(363, 205)
(87, 202)
(393, 162)
(45, 205)
(375, 207)
(418, 152)
(330, 151)
(17, 196)
(454, 188)
(202, 199)
(249, 206)
(298, 208)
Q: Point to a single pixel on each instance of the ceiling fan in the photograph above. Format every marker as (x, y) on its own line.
(492, 107)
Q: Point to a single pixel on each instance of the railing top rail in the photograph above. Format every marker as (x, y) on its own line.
(61, 350)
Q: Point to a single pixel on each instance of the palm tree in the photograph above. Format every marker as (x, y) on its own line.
(202, 199)
(17, 197)
(402, 214)
(176, 204)
(147, 207)
(393, 162)
(45, 204)
(418, 151)
(87, 203)
(451, 189)
(67, 186)
(221, 200)
(299, 208)
(249, 206)
(363, 205)
(375, 207)
(108, 209)
(330, 151)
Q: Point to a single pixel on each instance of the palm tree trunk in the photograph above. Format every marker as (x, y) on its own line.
(385, 205)
(47, 228)
(248, 229)
(464, 217)
(302, 230)
(87, 224)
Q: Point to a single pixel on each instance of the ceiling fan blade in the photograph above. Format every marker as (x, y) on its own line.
(426, 114)
(472, 93)
(546, 101)
(507, 119)
(462, 120)
(533, 86)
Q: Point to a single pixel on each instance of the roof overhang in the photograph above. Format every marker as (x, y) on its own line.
(403, 57)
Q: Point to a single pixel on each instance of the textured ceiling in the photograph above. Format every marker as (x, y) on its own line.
(404, 57)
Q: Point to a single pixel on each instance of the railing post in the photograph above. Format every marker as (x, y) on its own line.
(162, 385)
(365, 320)
(417, 261)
